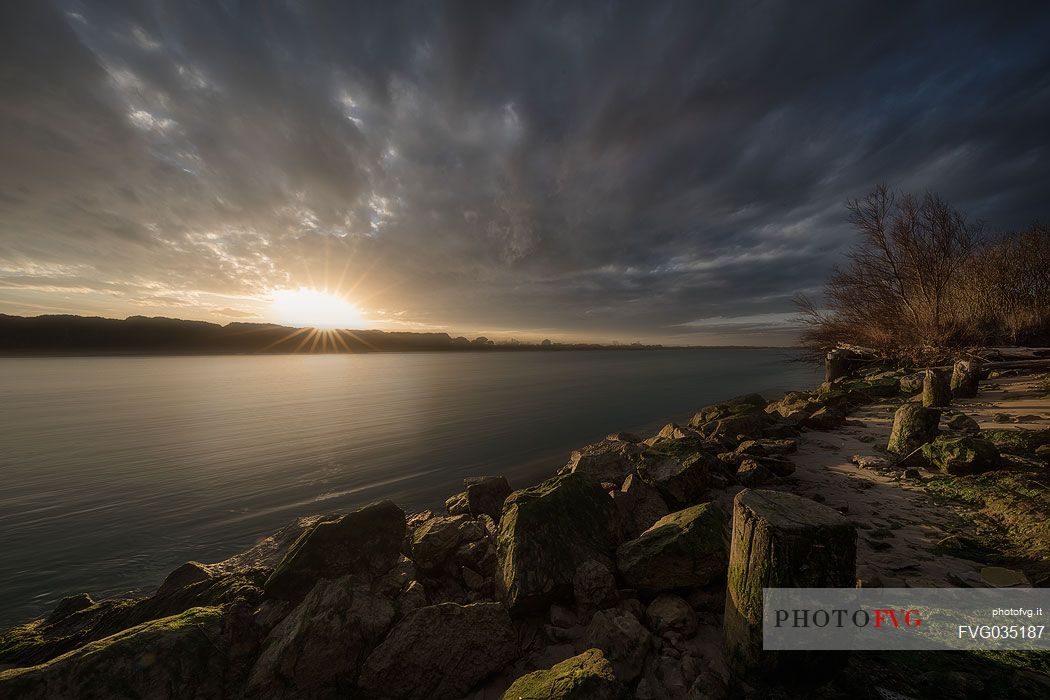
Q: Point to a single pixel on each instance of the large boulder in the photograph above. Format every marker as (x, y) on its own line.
(680, 480)
(961, 455)
(638, 505)
(440, 652)
(682, 550)
(182, 656)
(795, 406)
(588, 676)
(826, 418)
(605, 461)
(741, 405)
(623, 640)
(913, 426)
(1017, 441)
(750, 425)
(546, 532)
(438, 538)
(319, 647)
(364, 544)
(670, 613)
(911, 384)
(780, 540)
(486, 494)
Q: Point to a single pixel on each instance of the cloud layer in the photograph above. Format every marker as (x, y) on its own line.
(636, 170)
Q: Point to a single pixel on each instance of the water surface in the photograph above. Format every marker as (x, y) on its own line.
(117, 470)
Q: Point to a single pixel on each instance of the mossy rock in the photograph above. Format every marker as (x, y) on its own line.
(963, 422)
(961, 455)
(545, 533)
(911, 384)
(588, 676)
(741, 405)
(681, 550)
(867, 390)
(365, 543)
(913, 425)
(1017, 441)
(177, 656)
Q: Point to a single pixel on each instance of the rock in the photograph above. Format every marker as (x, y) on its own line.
(741, 405)
(472, 579)
(709, 686)
(911, 473)
(440, 652)
(1004, 418)
(434, 541)
(185, 655)
(681, 550)
(670, 613)
(795, 406)
(752, 473)
(622, 639)
(562, 617)
(966, 375)
(681, 481)
(413, 597)
(935, 389)
(638, 505)
(608, 460)
(486, 494)
(545, 534)
(320, 646)
(911, 384)
(588, 676)
(749, 424)
(766, 448)
(869, 462)
(1043, 452)
(1001, 577)
(963, 422)
(1017, 441)
(827, 418)
(458, 504)
(961, 455)
(365, 544)
(623, 437)
(672, 431)
(780, 540)
(593, 585)
(913, 425)
(70, 605)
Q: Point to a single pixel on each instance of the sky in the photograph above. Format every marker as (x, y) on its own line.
(657, 171)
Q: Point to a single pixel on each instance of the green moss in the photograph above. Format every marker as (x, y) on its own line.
(129, 641)
(1013, 510)
(18, 640)
(1016, 441)
(961, 455)
(588, 675)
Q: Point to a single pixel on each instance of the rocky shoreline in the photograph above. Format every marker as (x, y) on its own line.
(628, 574)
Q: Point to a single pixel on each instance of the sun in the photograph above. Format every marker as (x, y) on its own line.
(310, 308)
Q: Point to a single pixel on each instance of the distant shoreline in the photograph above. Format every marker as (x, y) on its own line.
(139, 336)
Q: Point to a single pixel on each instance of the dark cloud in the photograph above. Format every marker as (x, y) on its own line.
(658, 170)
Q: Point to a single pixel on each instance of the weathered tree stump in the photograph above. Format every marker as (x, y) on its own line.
(935, 388)
(836, 365)
(913, 426)
(780, 540)
(966, 374)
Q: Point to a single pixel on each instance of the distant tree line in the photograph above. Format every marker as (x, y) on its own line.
(925, 280)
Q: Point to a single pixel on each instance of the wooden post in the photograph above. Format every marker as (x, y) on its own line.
(966, 374)
(836, 364)
(935, 388)
(780, 540)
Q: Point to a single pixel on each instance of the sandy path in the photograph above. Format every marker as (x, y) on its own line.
(899, 525)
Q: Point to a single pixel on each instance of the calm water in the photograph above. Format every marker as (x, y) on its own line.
(117, 470)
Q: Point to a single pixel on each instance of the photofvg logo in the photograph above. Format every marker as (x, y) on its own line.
(840, 617)
(905, 618)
